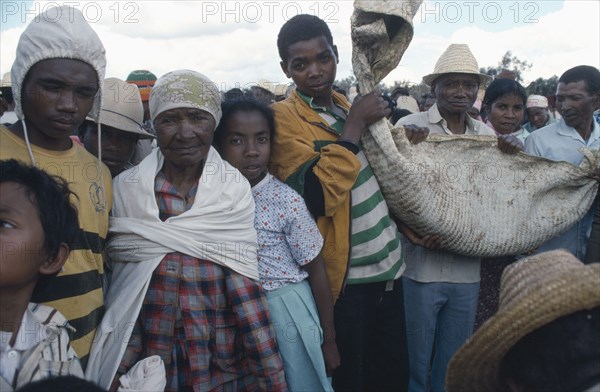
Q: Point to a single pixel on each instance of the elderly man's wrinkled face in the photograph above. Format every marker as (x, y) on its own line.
(455, 93)
(537, 116)
(184, 135)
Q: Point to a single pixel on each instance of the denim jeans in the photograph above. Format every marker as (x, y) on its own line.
(369, 326)
(439, 319)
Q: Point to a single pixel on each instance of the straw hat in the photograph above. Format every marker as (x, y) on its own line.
(122, 107)
(537, 101)
(456, 59)
(533, 293)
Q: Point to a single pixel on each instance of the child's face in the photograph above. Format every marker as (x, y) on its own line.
(246, 144)
(312, 65)
(21, 237)
(118, 147)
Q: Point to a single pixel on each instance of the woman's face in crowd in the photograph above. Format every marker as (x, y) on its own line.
(506, 113)
(184, 135)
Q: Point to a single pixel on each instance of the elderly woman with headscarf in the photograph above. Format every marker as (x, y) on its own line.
(185, 279)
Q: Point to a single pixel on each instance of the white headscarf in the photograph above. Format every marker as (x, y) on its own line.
(219, 227)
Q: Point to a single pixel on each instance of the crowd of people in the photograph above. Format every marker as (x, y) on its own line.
(160, 234)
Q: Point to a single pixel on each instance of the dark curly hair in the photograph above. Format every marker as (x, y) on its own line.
(51, 196)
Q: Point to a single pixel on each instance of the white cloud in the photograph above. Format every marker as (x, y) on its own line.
(556, 42)
(234, 42)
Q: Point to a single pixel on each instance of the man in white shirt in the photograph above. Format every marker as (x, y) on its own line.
(440, 287)
(577, 97)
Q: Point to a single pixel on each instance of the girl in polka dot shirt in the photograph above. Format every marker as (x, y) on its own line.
(290, 265)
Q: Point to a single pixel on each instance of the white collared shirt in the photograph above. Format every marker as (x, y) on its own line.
(560, 142)
(433, 120)
(29, 335)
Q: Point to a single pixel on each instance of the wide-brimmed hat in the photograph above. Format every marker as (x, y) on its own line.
(456, 59)
(533, 293)
(122, 107)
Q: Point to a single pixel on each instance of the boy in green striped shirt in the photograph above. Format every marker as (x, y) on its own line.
(317, 151)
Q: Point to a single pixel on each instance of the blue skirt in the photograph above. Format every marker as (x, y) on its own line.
(299, 336)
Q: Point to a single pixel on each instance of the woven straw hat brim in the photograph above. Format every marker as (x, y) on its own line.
(533, 303)
(483, 78)
(457, 58)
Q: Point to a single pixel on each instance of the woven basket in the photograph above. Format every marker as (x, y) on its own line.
(480, 201)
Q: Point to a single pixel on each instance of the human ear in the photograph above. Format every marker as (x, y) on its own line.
(596, 105)
(335, 52)
(284, 68)
(53, 265)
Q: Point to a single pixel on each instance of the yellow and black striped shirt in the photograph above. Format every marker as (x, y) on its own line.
(76, 291)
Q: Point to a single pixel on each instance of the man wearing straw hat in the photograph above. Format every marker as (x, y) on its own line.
(544, 336)
(441, 288)
(121, 119)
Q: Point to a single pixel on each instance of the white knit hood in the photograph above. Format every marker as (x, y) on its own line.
(58, 32)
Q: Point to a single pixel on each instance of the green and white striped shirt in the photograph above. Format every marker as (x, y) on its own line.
(376, 253)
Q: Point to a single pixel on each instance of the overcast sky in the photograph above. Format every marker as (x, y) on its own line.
(234, 42)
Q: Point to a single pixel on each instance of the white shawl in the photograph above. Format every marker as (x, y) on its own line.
(219, 227)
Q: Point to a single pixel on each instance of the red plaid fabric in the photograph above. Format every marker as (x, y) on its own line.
(210, 325)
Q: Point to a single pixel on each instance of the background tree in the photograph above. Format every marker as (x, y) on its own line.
(541, 86)
(510, 63)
